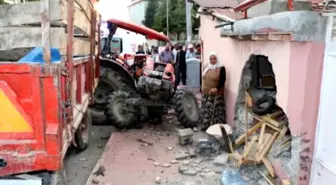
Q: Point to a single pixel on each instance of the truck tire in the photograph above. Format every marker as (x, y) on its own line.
(54, 178)
(186, 108)
(258, 109)
(83, 133)
(119, 113)
(110, 81)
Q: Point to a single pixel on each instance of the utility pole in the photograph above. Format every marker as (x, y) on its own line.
(167, 1)
(188, 21)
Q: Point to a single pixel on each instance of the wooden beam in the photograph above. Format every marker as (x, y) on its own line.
(249, 146)
(261, 136)
(268, 166)
(269, 180)
(29, 13)
(13, 38)
(252, 130)
(266, 149)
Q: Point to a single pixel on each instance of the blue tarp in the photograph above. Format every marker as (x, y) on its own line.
(36, 56)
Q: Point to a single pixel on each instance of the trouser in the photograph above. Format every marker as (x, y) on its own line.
(181, 75)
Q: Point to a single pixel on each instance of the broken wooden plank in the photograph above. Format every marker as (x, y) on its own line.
(235, 155)
(266, 149)
(241, 139)
(273, 127)
(262, 131)
(12, 38)
(272, 121)
(249, 146)
(282, 133)
(268, 166)
(12, 15)
(285, 182)
(267, 178)
(251, 155)
(267, 136)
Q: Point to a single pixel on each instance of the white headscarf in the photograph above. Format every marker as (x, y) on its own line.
(211, 66)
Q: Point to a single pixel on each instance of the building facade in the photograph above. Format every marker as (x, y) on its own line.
(137, 10)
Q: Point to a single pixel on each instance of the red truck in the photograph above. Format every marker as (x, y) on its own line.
(49, 69)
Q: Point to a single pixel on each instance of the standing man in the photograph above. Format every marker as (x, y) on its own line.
(181, 67)
(166, 55)
(140, 50)
(191, 52)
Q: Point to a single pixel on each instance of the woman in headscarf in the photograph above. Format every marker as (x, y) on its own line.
(213, 84)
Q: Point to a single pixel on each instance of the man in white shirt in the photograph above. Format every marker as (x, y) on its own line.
(191, 53)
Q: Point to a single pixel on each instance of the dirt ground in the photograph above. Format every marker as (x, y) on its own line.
(141, 163)
(79, 166)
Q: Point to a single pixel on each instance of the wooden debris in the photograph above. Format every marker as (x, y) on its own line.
(282, 133)
(261, 135)
(273, 127)
(285, 182)
(249, 146)
(266, 138)
(266, 149)
(251, 131)
(227, 140)
(268, 166)
(235, 155)
(267, 178)
(248, 99)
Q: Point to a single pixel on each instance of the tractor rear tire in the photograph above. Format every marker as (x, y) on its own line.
(186, 108)
(110, 81)
(54, 178)
(83, 133)
(118, 111)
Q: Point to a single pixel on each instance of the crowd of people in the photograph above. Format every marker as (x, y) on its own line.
(213, 80)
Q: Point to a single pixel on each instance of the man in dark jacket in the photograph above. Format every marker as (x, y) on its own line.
(181, 67)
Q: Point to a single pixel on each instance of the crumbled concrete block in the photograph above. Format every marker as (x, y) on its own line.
(181, 156)
(157, 180)
(166, 165)
(185, 136)
(221, 160)
(190, 172)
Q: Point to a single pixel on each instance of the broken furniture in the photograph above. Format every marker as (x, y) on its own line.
(257, 147)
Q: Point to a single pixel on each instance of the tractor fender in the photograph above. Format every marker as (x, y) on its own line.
(120, 66)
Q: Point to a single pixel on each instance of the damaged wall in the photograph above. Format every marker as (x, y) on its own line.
(298, 70)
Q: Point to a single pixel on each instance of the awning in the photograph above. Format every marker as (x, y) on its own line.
(149, 33)
(300, 25)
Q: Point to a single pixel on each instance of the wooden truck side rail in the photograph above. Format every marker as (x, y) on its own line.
(45, 102)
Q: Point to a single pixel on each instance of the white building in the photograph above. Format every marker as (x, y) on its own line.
(137, 10)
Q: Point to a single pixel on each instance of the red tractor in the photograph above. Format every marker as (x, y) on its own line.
(139, 90)
(154, 91)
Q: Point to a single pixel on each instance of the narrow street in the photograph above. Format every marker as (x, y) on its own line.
(79, 166)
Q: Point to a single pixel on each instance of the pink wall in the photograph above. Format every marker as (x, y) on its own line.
(291, 63)
(233, 54)
(298, 71)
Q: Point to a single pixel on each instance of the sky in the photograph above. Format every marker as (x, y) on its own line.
(114, 9)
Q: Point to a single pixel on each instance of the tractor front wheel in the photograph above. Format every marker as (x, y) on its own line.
(186, 108)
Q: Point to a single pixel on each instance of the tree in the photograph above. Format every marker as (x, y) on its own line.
(150, 13)
(177, 17)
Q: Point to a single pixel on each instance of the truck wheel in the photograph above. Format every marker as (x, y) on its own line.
(54, 178)
(83, 133)
(119, 113)
(186, 108)
(110, 81)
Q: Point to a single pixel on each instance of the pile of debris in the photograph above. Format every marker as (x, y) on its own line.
(272, 136)
(269, 134)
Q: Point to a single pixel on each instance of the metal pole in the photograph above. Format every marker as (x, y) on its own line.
(167, 1)
(188, 21)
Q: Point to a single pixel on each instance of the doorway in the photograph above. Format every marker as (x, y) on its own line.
(324, 161)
